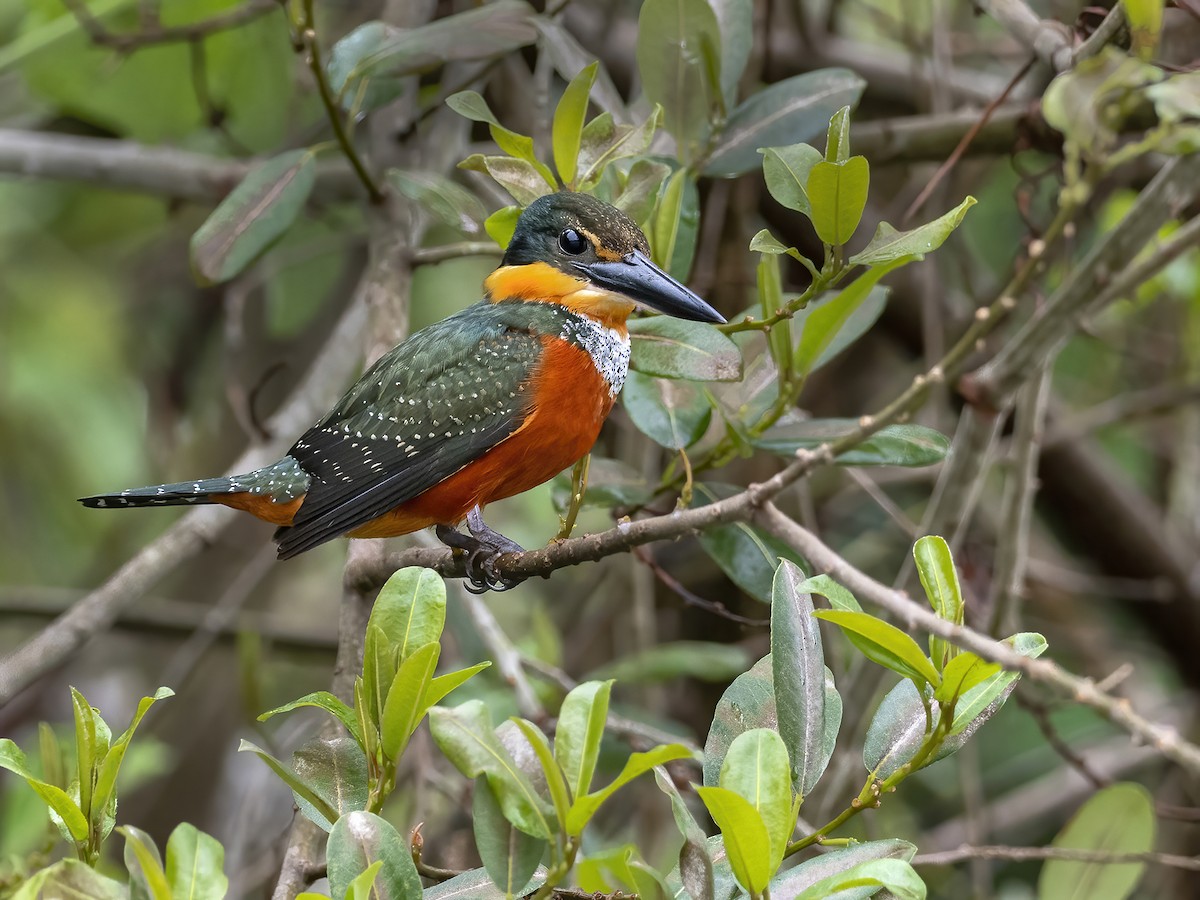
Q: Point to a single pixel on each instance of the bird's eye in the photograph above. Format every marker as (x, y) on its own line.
(571, 241)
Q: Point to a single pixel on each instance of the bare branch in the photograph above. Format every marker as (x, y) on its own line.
(163, 34)
(129, 165)
(1025, 854)
(1052, 41)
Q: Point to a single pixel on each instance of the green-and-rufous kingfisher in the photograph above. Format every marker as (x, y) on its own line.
(480, 406)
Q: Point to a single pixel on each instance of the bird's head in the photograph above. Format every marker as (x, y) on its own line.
(574, 249)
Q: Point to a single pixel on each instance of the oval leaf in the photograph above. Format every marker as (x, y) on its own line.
(798, 667)
(674, 348)
(745, 836)
(756, 767)
(410, 610)
(883, 643)
(786, 170)
(896, 445)
(749, 702)
(195, 864)
(673, 413)
(790, 884)
(1118, 819)
(255, 215)
(568, 122)
(889, 244)
(788, 112)
(360, 840)
(838, 194)
(510, 855)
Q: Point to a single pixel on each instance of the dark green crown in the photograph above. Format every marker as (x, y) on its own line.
(554, 225)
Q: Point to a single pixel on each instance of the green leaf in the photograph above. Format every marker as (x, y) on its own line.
(519, 177)
(87, 754)
(325, 814)
(464, 734)
(150, 868)
(366, 65)
(705, 660)
(580, 728)
(822, 324)
(568, 122)
(510, 855)
(695, 862)
(449, 201)
(405, 705)
(735, 20)
(569, 58)
(756, 768)
(476, 884)
(746, 840)
(362, 840)
(326, 701)
(1145, 25)
(895, 875)
(837, 595)
(939, 578)
(889, 244)
(749, 702)
(883, 643)
(74, 825)
(837, 140)
(798, 669)
(673, 348)
(1117, 819)
(796, 880)
(788, 112)
(838, 194)
(786, 170)
(379, 668)
(673, 413)
(501, 225)
(104, 794)
(604, 142)
(70, 878)
(555, 776)
(254, 215)
(195, 864)
(748, 556)
(471, 105)
(981, 702)
(411, 609)
(765, 242)
(363, 885)
(896, 445)
(665, 228)
(585, 807)
(963, 672)
(672, 40)
(637, 197)
(442, 685)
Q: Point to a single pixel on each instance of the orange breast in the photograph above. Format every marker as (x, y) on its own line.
(571, 402)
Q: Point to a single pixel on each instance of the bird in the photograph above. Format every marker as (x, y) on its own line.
(483, 405)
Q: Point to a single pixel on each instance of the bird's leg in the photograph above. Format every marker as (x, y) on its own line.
(482, 547)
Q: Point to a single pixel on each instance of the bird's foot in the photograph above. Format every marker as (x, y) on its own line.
(482, 547)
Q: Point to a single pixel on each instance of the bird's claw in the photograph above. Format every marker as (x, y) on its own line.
(482, 548)
(482, 575)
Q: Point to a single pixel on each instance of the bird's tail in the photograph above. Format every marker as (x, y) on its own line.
(181, 493)
(280, 483)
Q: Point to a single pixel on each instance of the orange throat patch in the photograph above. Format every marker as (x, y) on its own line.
(542, 283)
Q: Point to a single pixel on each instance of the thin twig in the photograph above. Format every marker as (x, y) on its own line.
(1012, 552)
(1026, 854)
(952, 160)
(713, 606)
(1153, 401)
(312, 50)
(442, 252)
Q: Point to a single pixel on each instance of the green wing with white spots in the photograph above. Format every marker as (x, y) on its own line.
(431, 406)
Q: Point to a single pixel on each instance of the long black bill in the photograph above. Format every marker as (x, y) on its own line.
(638, 278)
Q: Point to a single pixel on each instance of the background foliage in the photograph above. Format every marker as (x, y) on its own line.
(204, 200)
